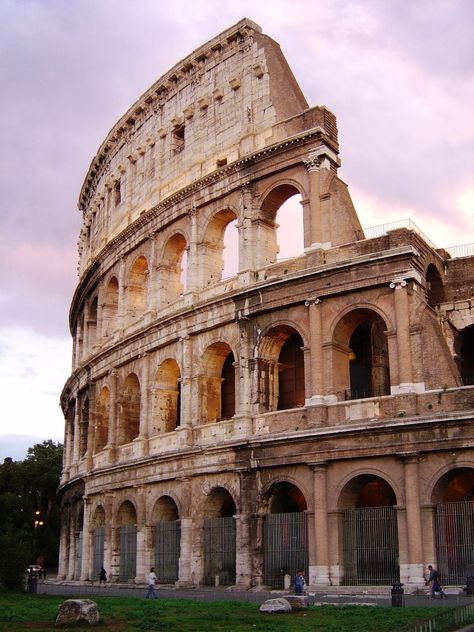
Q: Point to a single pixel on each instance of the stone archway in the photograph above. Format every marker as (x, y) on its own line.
(219, 538)
(167, 539)
(369, 528)
(453, 498)
(285, 534)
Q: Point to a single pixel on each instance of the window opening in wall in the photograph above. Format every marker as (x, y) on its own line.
(177, 139)
(231, 250)
(464, 347)
(117, 193)
(290, 235)
(228, 388)
(434, 286)
(291, 374)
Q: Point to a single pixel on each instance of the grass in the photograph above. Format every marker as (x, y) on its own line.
(19, 612)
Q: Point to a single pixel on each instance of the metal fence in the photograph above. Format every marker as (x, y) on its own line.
(128, 552)
(219, 550)
(285, 547)
(167, 550)
(98, 551)
(444, 621)
(454, 526)
(370, 546)
(78, 565)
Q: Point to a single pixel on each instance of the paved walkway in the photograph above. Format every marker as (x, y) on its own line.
(202, 593)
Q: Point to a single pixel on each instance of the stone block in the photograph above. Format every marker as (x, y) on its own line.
(275, 606)
(73, 611)
(297, 602)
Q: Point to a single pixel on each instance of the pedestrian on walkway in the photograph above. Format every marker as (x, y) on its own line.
(151, 580)
(102, 576)
(434, 579)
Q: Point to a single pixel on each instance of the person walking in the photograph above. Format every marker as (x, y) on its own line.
(102, 576)
(151, 579)
(434, 579)
(299, 583)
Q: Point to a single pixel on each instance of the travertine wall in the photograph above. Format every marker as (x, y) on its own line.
(303, 388)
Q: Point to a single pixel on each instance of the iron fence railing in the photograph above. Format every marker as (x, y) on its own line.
(444, 621)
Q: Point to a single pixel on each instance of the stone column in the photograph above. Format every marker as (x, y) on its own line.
(152, 298)
(108, 535)
(72, 551)
(185, 576)
(144, 403)
(122, 296)
(186, 420)
(243, 388)
(243, 562)
(112, 433)
(142, 548)
(192, 281)
(402, 317)
(77, 434)
(319, 573)
(246, 232)
(316, 368)
(86, 567)
(414, 533)
(63, 549)
(313, 220)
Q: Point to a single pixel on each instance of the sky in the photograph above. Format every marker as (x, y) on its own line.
(398, 75)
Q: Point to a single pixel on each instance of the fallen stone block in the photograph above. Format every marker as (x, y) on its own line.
(275, 606)
(297, 602)
(78, 611)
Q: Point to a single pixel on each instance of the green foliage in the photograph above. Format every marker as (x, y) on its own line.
(29, 514)
(21, 611)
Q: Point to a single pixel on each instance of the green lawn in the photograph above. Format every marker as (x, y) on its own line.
(38, 612)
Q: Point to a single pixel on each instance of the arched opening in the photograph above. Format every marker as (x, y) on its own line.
(369, 532)
(285, 534)
(127, 522)
(129, 424)
(167, 403)
(231, 250)
(360, 355)
(79, 540)
(167, 532)
(98, 540)
(291, 393)
(434, 286)
(110, 307)
(453, 498)
(137, 288)
(171, 272)
(92, 323)
(211, 251)
(102, 419)
(219, 538)
(464, 347)
(281, 370)
(84, 426)
(218, 383)
(281, 233)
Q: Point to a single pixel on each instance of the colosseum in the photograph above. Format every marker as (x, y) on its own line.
(310, 412)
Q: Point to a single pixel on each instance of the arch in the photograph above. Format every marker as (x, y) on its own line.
(276, 206)
(98, 518)
(171, 274)
(110, 307)
(219, 537)
(137, 287)
(167, 401)
(84, 426)
(102, 415)
(369, 544)
(127, 522)
(453, 498)
(211, 250)
(92, 322)
(218, 383)
(464, 349)
(360, 355)
(129, 418)
(285, 534)
(167, 538)
(281, 369)
(434, 286)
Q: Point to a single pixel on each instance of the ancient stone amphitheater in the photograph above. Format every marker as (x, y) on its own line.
(314, 412)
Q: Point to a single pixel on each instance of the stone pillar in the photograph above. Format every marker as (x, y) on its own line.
(243, 562)
(313, 221)
(316, 366)
(122, 296)
(402, 318)
(77, 434)
(142, 532)
(72, 550)
(86, 566)
(185, 576)
(152, 297)
(246, 232)
(192, 281)
(186, 382)
(144, 403)
(112, 433)
(63, 548)
(319, 573)
(108, 535)
(414, 570)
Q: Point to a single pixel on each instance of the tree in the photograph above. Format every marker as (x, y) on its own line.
(29, 513)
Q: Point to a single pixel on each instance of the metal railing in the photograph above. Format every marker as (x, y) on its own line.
(456, 252)
(444, 621)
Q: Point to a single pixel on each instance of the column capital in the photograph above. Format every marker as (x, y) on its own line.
(409, 457)
(312, 301)
(319, 466)
(397, 283)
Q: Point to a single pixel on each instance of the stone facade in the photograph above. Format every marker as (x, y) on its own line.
(234, 430)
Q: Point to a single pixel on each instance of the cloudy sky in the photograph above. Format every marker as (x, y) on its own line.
(399, 76)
